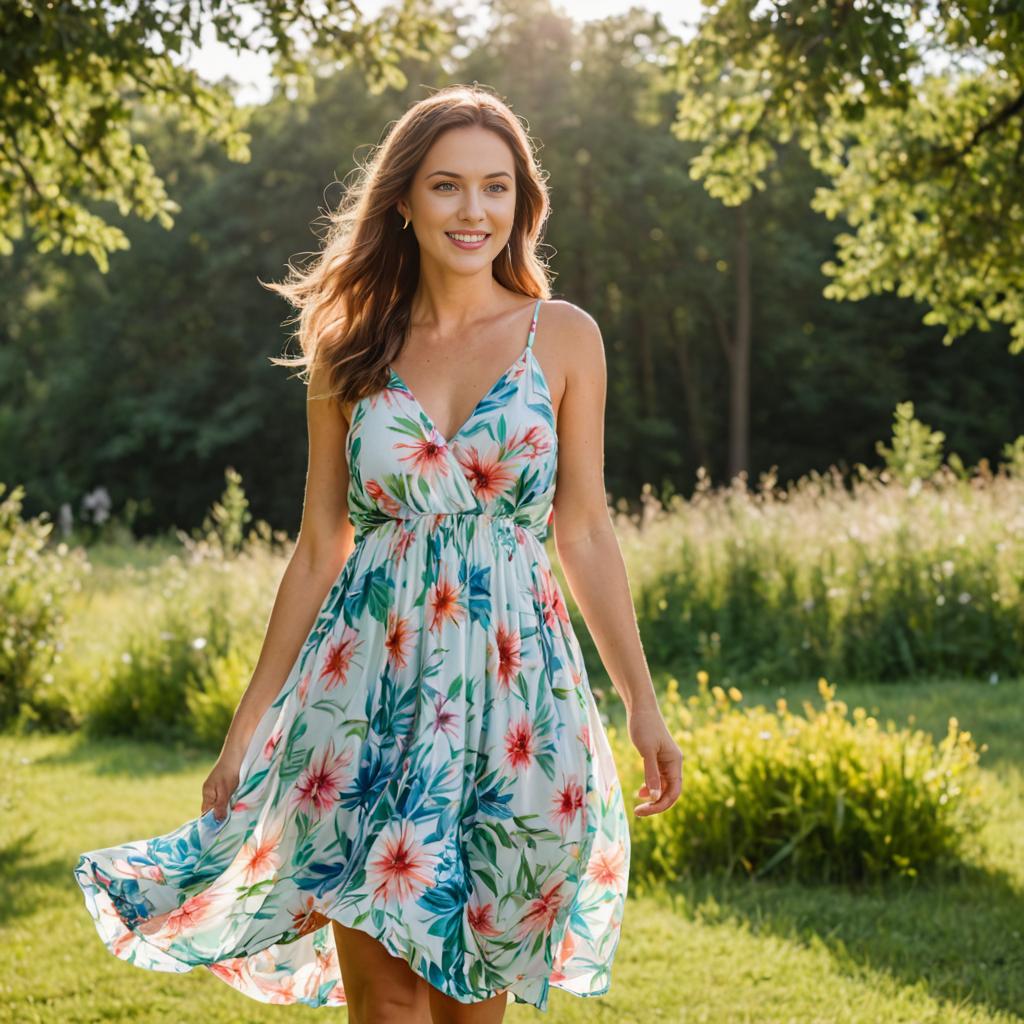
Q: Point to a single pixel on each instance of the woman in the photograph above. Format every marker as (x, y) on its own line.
(425, 816)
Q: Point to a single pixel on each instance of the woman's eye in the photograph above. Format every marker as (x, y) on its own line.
(498, 183)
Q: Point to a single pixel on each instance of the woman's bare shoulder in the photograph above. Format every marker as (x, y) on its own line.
(575, 335)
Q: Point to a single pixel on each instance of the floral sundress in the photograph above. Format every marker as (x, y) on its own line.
(434, 770)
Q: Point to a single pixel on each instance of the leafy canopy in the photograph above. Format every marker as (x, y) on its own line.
(73, 75)
(913, 111)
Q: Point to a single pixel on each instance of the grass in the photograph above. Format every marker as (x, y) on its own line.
(769, 953)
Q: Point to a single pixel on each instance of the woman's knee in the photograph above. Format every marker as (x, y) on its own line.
(379, 988)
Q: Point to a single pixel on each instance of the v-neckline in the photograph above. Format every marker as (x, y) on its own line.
(448, 442)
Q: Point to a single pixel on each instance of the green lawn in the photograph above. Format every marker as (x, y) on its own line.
(708, 952)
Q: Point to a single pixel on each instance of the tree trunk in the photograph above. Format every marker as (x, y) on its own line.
(739, 350)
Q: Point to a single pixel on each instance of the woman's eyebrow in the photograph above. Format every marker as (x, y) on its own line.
(453, 174)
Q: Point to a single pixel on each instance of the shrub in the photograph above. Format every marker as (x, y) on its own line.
(817, 797)
(35, 580)
(193, 632)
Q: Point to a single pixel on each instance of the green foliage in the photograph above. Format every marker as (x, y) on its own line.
(185, 652)
(871, 579)
(820, 797)
(916, 452)
(159, 388)
(212, 704)
(78, 78)
(35, 582)
(927, 173)
(180, 662)
(1013, 453)
(222, 532)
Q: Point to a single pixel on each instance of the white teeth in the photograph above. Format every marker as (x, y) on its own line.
(466, 238)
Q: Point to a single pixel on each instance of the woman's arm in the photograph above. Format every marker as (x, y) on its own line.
(325, 540)
(589, 552)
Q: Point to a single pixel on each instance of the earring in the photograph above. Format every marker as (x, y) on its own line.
(406, 224)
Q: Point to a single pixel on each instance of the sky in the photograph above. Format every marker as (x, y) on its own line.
(252, 71)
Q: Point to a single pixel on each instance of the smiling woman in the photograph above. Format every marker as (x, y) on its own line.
(417, 797)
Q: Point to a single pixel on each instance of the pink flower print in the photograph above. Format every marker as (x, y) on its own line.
(278, 991)
(542, 911)
(339, 657)
(488, 476)
(505, 654)
(403, 539)
(303, 688)
(310, 977)
(185, 919)
(519, 744)
(127, 869)
(533, 442)
(481, 919)
(428, 455)
(445, 720)
(568, 802)
(307, 918)
(444, 604)
(258, 858)
(382, 499)
(403, 869)
(586, 739)
(124, 942)
(564, 954)
(607, 866)
(399, 640)
(549, 597)
(233, 971)
(272, 741)
(318, 788)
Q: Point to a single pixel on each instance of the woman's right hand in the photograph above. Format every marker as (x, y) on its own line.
(218, 787)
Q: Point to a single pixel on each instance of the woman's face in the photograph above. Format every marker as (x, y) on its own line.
(465, 186)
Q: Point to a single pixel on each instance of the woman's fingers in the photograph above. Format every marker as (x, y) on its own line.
(663, 782)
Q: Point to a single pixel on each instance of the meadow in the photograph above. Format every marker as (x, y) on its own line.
(704, 949)
(846, 849)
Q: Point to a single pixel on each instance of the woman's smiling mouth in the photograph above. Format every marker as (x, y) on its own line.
(468, 239)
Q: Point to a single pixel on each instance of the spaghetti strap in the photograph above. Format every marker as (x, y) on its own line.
(533, 324)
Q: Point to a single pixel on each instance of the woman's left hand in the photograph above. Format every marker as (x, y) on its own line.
(663, 760)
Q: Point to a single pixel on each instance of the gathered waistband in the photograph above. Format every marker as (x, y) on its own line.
(507, 524)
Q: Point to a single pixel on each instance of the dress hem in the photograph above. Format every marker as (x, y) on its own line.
(94, 891)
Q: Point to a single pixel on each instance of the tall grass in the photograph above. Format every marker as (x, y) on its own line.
(875, 579)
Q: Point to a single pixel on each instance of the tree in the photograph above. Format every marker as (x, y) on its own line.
(914, 111)
(75, 74)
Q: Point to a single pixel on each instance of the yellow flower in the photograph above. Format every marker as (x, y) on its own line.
(735, 694)
(702, 677)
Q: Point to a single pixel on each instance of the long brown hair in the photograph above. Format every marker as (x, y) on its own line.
(354, 299)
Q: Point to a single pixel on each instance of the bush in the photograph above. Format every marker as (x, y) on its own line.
(819, 797)
(195, 627)
(35, 580)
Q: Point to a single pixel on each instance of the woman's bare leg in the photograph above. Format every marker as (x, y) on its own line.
(446, 1010)
(379, 988)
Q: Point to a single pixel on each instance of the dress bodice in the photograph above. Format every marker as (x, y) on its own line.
(501, 463)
